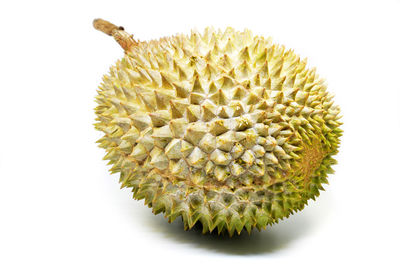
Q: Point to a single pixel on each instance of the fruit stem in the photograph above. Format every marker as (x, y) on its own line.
(120, 35)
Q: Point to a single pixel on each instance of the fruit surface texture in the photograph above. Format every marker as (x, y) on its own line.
(220, 127)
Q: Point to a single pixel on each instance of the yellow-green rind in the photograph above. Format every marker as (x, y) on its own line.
(221, 128)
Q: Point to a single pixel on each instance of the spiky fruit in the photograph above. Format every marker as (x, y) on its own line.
(222, 128)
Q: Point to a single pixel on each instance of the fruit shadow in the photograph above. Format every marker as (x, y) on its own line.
(274, 239)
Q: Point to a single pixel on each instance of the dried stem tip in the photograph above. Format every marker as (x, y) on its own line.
(105, 26)
(123, 38)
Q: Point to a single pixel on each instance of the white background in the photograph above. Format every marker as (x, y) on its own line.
(59, 204)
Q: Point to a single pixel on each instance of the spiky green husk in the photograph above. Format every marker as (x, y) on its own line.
(221, 128)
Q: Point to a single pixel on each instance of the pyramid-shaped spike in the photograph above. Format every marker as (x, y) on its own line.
(291, 93)
(162, 136)
(256, 81)
(243, 122)
(209, 57)
(239, 93)
(278, 83)
(181, 73)
(118, 91)
(139, 152)
(244, 54)
(300, 81)
(225, 61)
(158, 158)
(180, 104)
(267, 85)
(221, 174)
(186, 49)
(196, 98)
(258, 91)
(262, 105)
(142, 60)
(129, 107)
(195, 132)
(246, 84)
(197, 86)
(258, 116)
(123, 123)
(252, 99)
(264, 70)
(186, 148)
(146, 139)
(257, 46)
(237, 149)
(218, 127)
(131, 136)
(182, 90)
(163, 98)
(212, 88)
(236, 169)
(197, 158)
(193, 113)
(175, 113)
(178, 127)
(166, 81)
(219, 98)
(232, 73)
(173, 149)
(207, 143)
(271, 52)
(270, 159)
(262, 56)
(133, 75)
(208, 112)
(301, 97)
(216, 49)
(155, 76)
(248, 158)
(223, 113)
(210, 72)
(179, 168)
(143, 75)
(277, 69)
(140, 121)
(226, 141)
(220, 158)
(162, 63)
(153, 60)
(279, 152)
(160, 118)
(208, 169)
(243, 70)
(258, 151)
(147, 97)
(229, 47)
(237, 109)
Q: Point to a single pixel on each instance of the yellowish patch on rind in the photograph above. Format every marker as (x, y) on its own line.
(311, 159)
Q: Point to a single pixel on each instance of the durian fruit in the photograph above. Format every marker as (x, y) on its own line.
(221, 127)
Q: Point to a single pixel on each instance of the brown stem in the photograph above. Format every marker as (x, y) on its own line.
(122, 37)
